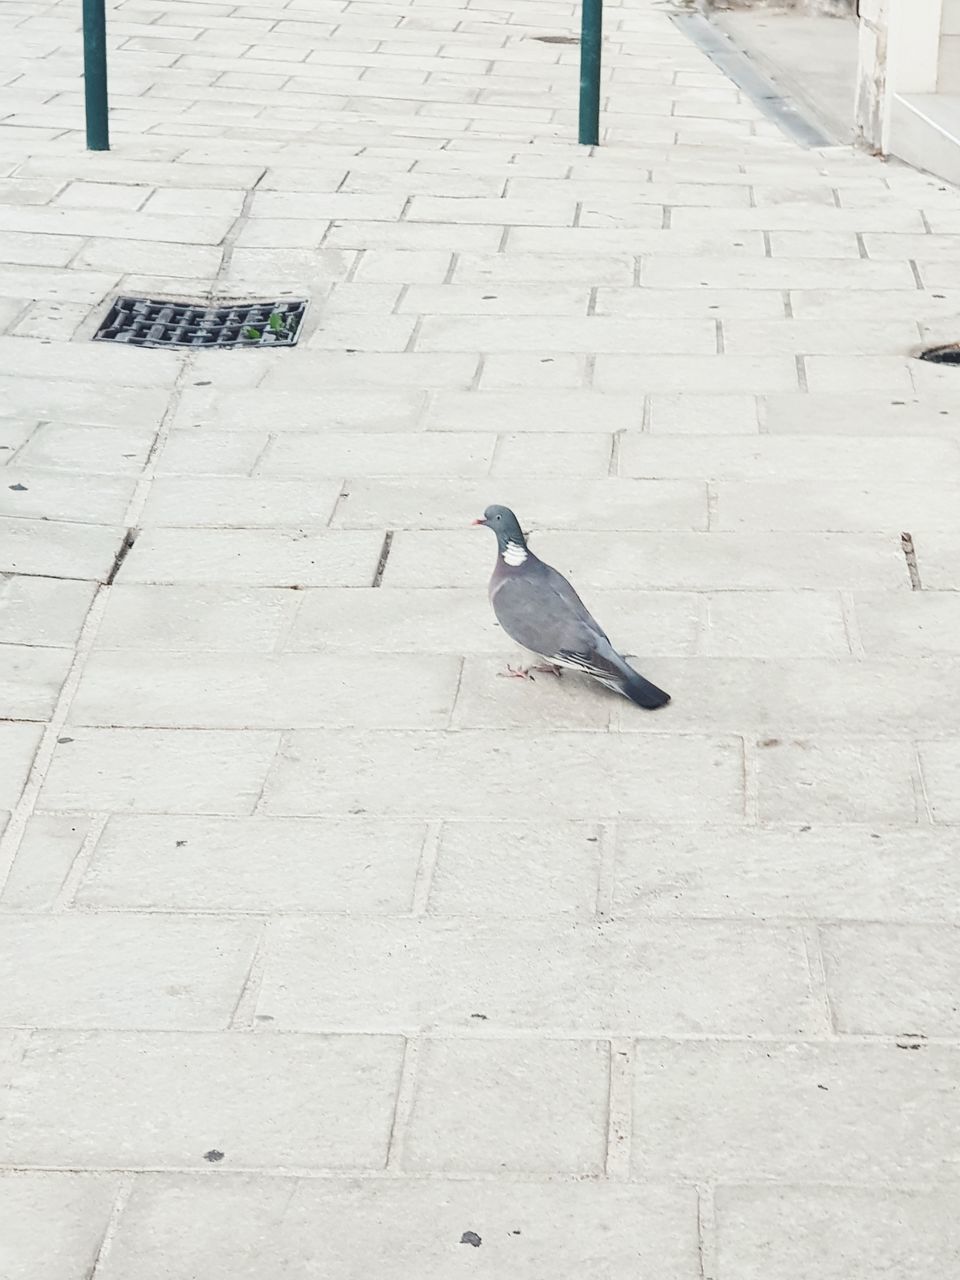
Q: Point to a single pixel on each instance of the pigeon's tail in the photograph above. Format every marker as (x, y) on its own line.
(642, 692)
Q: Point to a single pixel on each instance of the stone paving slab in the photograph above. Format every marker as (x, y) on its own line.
(559, 773)
(666, 562)
(296, 690)
(839, 1232)
(150, 770)
(64, 972)
(266, 1099)
(521, 1227)
(701, 978)
(821, 872)
(790, 1113)
(865, 781)
(516, 1106)
(75, 1210)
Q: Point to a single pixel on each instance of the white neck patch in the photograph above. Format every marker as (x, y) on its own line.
(514, 554)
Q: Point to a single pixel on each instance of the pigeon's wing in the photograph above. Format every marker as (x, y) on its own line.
(540, 610)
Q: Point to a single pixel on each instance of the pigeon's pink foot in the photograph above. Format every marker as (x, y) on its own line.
(519, 673)
(549, 669)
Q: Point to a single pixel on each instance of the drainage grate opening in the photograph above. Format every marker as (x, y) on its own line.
(558, 39)
(144, 322)
(949, 354)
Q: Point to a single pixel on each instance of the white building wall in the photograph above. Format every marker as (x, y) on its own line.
(948, 80)
(899, 53)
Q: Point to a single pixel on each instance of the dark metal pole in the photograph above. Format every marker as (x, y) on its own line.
(95, 75)
(591, 36)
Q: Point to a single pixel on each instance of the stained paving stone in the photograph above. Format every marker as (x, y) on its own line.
(91, 1100)
(414, 1227)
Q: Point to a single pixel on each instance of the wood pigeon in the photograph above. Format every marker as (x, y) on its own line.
(537, 607)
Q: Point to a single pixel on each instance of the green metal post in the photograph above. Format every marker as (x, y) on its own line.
(591, 36)
(95, 75)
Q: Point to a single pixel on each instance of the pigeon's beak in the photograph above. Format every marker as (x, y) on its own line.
(480, 521)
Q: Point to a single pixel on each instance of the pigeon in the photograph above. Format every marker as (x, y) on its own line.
(537, 607)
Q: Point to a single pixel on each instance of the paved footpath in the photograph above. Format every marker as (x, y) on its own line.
(322, 946)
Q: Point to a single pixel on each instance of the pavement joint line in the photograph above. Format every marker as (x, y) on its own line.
(404, 1100)
(707, 1245)
(519, 1179)
(122, 1198)
(613, 465)
(426, 867)
(851, 625)
(751, 779)
(242, 1018)
(816, 969)
(701, 648)
(646, 414)
(482, 1031)
(619, 1110)
(606, 837)
(80, 864)
(126, 546)
(414, 334)
(280, 740)
(910, 555)
(295, 602)
(344, 492)
(713, 500)
(924, 807)
(269, 440)
(384, 557)
(452, 717)
(558, 920)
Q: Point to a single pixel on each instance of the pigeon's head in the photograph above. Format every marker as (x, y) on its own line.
(510, 539)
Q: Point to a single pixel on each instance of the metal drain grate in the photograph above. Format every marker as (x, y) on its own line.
(145, 322)
(949, 354)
